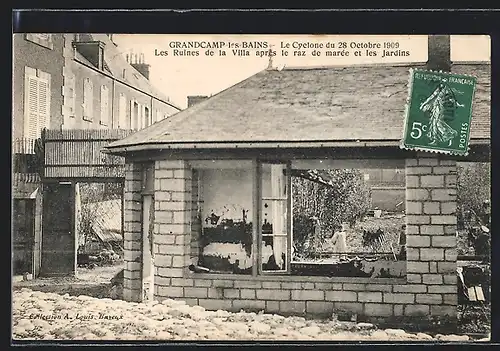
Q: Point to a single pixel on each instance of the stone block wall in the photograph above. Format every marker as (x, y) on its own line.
(431, 236)
(171, 243)
(132, 231)
(428, 290)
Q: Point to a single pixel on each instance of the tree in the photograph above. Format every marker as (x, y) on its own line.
(342, 196)
(473, 188)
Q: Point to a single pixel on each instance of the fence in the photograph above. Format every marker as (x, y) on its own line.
(77, 154)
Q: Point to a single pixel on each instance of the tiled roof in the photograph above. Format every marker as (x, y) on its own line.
(115, 63)
(356, 103)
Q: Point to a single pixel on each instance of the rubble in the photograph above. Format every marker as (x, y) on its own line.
(49, 316)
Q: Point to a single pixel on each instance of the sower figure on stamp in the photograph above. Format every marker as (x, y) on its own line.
(435, 105)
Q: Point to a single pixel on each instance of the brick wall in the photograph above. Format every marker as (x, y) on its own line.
(428, 290)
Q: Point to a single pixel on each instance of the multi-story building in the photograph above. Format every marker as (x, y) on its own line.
(69, 81)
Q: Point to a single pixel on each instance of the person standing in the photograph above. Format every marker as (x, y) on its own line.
(339, 241)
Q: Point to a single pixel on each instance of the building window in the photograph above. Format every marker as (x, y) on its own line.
(69, 94)
(104, 105)
(147, 121)
(274, 217)
(315, 218)
(134, 114)
(157, 117)
(41, 39)
(88, 94)
(36, 102)
(122, 112)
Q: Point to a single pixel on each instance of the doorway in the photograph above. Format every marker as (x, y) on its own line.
(147, 248)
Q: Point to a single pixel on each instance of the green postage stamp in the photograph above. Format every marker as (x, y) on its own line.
(438, 112)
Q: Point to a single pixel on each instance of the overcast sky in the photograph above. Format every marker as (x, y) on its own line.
(180, 76)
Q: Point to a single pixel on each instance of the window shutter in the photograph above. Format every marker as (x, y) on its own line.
(132, 114)
(147, 117)
(122, 113)
(43, 105)
(31, 107)
(104, 106)
(88, 93)
(139, 116)
(70, 94)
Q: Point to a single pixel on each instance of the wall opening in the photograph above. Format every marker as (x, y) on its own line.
(316, 218)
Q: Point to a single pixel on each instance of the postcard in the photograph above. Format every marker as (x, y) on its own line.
(251, 188)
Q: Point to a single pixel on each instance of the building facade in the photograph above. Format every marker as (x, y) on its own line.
(61, 82)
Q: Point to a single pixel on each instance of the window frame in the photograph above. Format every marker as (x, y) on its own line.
(289, 219)
(46, 43)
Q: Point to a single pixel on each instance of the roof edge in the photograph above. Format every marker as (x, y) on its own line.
(369, 65)
(112, 76)
(122, 149)
(337, 66)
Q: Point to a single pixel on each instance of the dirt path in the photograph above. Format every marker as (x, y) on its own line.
(91, 282)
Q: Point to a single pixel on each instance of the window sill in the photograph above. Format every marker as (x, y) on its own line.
(88, 119)
(296, 278)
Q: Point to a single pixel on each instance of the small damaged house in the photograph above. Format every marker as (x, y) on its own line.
(211, 208)
(103, 226)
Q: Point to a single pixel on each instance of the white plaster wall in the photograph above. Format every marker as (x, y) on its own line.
(227, 187)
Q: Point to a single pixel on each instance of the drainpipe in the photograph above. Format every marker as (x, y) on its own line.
(113, 81)
(151, 111)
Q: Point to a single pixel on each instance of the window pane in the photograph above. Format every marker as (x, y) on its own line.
(222, 216)
(348, 222)
(274, 217)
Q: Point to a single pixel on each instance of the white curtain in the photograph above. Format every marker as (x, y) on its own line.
(279, 213)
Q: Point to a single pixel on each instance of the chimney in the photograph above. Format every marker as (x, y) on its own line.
(439, 53)
(92, 51)
(194, 99)
(140, 65)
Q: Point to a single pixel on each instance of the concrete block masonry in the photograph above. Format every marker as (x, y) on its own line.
(427, 290)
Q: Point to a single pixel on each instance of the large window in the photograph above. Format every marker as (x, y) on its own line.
(316, 217)
(222, 216)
